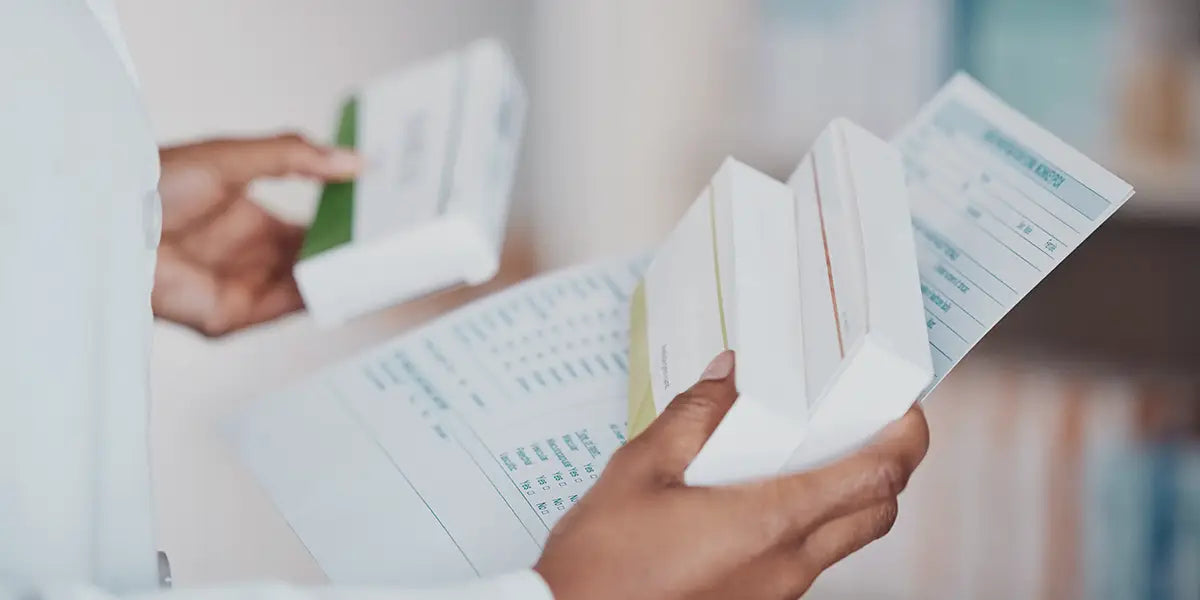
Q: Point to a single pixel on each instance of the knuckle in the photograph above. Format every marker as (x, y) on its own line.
(915, 432)
(799, 579)
(292, 138)
(296, 150)
(222, 318)
(629, 457)
(918, 430)
(215, 327)
(620, 459)
(923, 432)
(890, 477)
(884, 519)
(778, 513)
(639, 463)
(809, 565)
(716, 390)
(694, 404)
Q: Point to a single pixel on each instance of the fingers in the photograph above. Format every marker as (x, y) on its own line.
(836, 540)
(240, 305)
(789, 570)
(792, 506)
(215, 304)
(184, 292)
(676, 436)
(279, 299)
(242, 237)
(239, 161)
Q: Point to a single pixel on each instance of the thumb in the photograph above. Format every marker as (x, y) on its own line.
(678, 434)
(240, 161)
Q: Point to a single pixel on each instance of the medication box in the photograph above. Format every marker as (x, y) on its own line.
(813, 284)
(429, 211)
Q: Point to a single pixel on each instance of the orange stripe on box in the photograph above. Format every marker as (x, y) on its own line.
(828, 263)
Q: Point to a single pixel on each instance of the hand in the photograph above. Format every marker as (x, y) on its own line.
(225, 263)
(641, 533)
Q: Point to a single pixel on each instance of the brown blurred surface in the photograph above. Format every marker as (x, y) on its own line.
(1129, 296)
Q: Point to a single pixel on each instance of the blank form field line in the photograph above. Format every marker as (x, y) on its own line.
(974, 285)
(1072, 206)
(940, 197)
(375, 440)
(1043, 159)
(982, 207)
(949, 160)
(1001, 199)
(1014, 188)
(1027, 240)
(947, 326)
(960, 306)
(492, 453)
(1005, 180)
(921, 225)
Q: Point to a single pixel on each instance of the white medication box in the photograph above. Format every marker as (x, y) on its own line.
(813, 284)
(866, 346)
(429, 211)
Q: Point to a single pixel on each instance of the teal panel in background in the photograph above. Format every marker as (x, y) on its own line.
(1050, 59)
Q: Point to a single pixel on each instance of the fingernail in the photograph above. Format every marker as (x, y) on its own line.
(341, 160)
(719, 368)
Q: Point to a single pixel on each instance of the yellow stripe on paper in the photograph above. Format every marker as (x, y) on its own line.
(641, 395)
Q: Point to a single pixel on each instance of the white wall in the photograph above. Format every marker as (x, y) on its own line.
(247, 67)
(250, 66)
(637, 99)
(640, 101)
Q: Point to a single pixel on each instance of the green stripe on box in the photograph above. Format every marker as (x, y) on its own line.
(334, 222)
(641, 394)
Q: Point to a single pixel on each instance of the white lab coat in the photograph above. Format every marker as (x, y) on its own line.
(79, 224)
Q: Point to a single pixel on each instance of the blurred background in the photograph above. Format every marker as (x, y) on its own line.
(1065, 459)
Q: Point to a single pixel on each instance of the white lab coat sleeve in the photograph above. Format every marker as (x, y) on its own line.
(521, 585)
